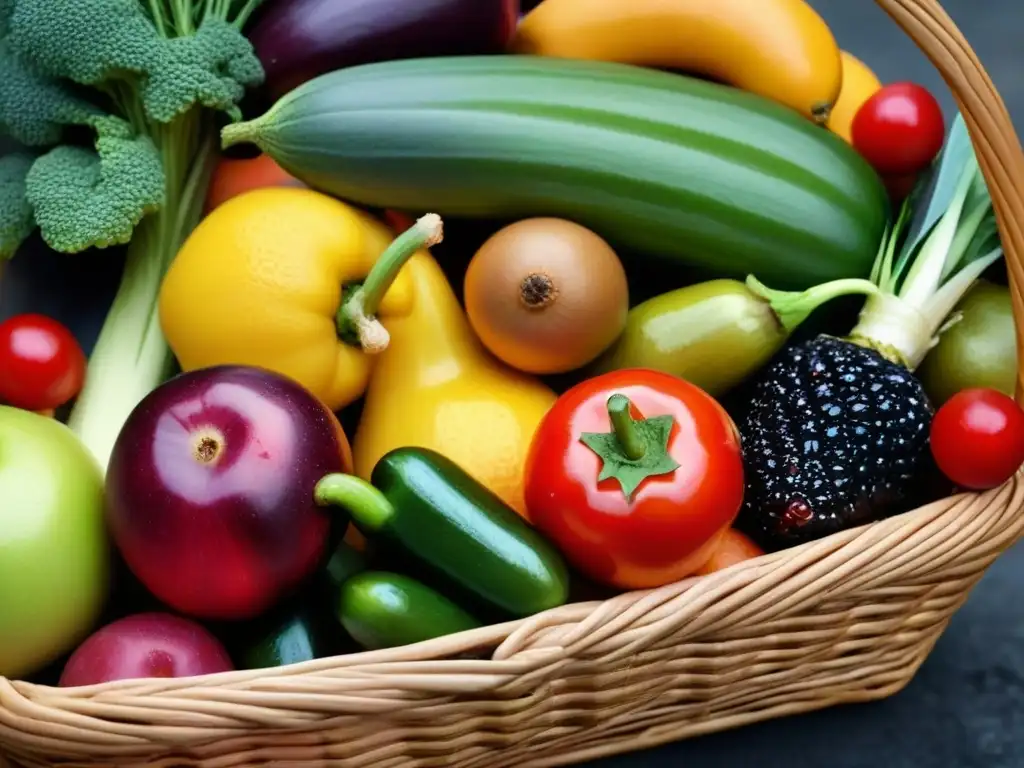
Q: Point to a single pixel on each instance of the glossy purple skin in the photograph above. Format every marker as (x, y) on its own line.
(223, 537)
(297, 40)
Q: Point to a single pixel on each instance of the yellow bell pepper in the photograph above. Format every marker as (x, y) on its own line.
(293, 281)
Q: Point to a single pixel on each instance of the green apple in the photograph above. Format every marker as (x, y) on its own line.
(54, 551)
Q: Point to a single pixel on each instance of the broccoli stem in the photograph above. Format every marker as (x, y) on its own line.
(131, 356)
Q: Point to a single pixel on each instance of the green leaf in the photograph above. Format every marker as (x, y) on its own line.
(939, 188)
(630, 473)
(985, 239)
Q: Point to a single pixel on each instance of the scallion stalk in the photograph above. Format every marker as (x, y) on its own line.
(942, 241)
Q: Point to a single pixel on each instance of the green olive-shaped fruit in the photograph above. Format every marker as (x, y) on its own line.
(978, 351)
(713, 334)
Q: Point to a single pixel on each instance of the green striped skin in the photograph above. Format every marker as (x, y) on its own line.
(657, 163)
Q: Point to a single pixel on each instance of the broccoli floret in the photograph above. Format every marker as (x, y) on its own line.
(86, 199)
(80, 197)
(16, 220)
(34, 109)
(94, 42)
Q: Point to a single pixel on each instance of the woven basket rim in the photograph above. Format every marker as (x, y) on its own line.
(514, 652)
(958, 536)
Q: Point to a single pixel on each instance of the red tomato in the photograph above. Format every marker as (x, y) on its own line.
(977, 438)
(899, 130)
(585, 459)
(41, 364)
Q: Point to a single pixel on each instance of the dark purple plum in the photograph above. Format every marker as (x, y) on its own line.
(300, 39)
(210, 489)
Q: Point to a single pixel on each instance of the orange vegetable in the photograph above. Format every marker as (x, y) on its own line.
(734, 548)
(233, 176)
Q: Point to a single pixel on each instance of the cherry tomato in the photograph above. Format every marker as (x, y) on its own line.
(635, 475)
(734, 547)
(899, 130)
(41, 364)
(977, 438)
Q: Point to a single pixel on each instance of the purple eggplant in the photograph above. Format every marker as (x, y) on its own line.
(296, 40)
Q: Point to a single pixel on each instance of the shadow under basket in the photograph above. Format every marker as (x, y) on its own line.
(849, 618)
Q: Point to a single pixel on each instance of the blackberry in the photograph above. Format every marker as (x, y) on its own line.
(834, 437)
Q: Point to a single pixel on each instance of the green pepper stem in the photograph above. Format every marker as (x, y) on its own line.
(793, 307)
(625, 428)
(369, 508)
(356, 317)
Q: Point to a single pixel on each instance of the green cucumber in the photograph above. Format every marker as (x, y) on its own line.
(386, 610)
(438, 519)
(706, 176)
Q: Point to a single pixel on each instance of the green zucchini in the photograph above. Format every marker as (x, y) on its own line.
(294, 637)
(706, 176)
(386, 610)
(435, 517)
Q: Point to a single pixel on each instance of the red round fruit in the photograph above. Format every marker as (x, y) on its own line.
(977, 438)
(899, 130)
(210, 489)
(643, 517)
(42, 365)
(145, 645)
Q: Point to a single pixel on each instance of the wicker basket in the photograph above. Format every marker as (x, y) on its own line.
(848, 618)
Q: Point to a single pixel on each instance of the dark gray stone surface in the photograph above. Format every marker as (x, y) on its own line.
(965, 708)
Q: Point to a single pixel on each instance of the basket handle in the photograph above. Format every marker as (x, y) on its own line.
(996, 144)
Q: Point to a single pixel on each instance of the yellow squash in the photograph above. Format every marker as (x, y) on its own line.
(435, 386)
(780, 49)
(859, 85)
(259, 282)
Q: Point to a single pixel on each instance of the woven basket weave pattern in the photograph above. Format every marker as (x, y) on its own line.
(848, 618)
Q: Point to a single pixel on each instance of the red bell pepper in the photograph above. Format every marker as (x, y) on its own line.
(636, 475)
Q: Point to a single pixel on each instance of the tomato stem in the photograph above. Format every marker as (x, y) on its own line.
(626, 433)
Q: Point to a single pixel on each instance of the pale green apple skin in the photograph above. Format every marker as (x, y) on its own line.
(54, 550)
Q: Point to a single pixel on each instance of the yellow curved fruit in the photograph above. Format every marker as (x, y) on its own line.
(859, 85)
(780, 49)
(435, 386)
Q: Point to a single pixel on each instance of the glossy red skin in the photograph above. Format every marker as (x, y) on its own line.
(674, 522)
(224, 540)
(977, 438)
(899, 130)
(301, 39)
(42, 365)
(145, 645)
